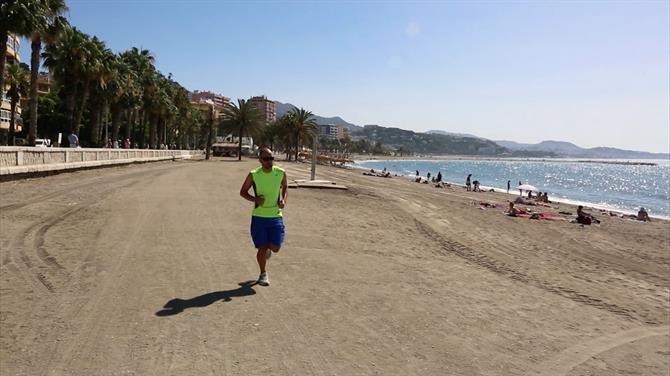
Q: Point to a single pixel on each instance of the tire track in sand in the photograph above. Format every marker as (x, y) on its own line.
(498, 267)
(566, 360)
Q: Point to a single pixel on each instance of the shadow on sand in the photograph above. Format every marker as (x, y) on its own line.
(177, 305)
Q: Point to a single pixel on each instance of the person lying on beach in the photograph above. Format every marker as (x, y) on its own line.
(442, 185)
(523, 201)
(378, 174)
(512, 211)
(643, 216)
(489, 204)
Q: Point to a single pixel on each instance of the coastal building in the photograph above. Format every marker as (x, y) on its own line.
(218, 99)
(265, 107)
(201, 100)
(45, 83)
(12, 57)
(342, 132)
(334, 132)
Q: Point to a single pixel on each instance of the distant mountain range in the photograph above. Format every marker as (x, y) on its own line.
(568, 149)
(282, 108)
(453, 134)
(443, 142)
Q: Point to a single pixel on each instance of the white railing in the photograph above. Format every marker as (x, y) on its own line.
(31, 159)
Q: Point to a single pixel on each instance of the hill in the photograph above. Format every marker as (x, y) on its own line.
(568, 149)
(426, 143)
(282, 108)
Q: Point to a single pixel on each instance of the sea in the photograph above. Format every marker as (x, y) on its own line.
(622, 186)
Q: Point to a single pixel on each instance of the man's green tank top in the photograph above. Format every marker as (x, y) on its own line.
(268, 185)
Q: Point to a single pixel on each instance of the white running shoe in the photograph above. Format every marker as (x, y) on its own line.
(268, 254)
(263, 279)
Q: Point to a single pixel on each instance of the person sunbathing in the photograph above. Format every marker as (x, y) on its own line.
(513, 212)
(522, 201)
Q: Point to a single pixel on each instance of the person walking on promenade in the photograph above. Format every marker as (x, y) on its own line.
(73, 140)
(267, 227)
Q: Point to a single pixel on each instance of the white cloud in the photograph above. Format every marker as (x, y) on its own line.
(412, 29)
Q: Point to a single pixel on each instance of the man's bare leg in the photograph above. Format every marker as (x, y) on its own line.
(273, 248)
(260, 257)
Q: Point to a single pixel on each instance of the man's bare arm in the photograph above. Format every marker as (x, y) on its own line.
(284, 191)
(244, 191)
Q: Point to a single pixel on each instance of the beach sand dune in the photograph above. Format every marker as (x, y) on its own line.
(148, 270)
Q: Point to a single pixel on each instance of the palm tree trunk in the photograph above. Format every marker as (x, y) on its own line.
(12, 123)
(3, 54)
(143, 121)
(116, 117)
(35, 48)
(297, 145)
(80, 109)
(239, 148)
(95, 124)
(153, 123)
(133, 134)
(130, 119)
(104, 133)
(69, 108)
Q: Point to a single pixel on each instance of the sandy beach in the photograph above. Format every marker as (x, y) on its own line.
(149, 270)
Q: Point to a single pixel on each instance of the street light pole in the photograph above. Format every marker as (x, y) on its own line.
(314, 144)
(209, 131)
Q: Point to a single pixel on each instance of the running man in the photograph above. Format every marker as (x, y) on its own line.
(267, 227)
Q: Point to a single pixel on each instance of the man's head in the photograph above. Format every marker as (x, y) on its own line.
(265, 157)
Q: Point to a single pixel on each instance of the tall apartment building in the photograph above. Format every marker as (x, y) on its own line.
(5, 108)
(201, 100)
(45, 83)
(218, 99)
(332, 131)
(265, 107)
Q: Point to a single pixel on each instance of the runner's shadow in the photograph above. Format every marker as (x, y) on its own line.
(177, 305)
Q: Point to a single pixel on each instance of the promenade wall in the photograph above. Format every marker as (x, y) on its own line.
(26, 160)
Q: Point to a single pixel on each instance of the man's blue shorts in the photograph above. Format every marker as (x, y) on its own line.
(266, 231)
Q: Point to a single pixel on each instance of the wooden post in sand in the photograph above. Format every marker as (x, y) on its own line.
(314, 158)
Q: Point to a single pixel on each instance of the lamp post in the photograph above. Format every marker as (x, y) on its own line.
(314, 145)
(209, 130)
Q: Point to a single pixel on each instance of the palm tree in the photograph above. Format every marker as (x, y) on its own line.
(67, 58)
(303, 126)
(17, 79)
(241, 119)
(141, 63)
(46, 24)
(93, 70)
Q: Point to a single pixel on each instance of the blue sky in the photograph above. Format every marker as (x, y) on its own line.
(593, 73)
